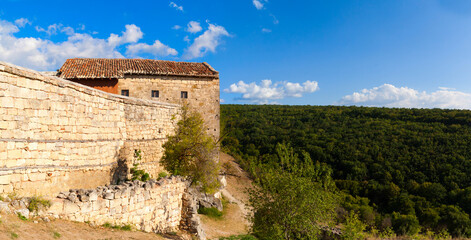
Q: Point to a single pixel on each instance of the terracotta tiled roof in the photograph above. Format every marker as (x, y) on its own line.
(77, 68)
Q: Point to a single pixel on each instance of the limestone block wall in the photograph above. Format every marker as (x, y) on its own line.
(203, 94)
(153, 206)
(56, 134)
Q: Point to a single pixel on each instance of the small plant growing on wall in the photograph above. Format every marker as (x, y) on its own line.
(137, 173)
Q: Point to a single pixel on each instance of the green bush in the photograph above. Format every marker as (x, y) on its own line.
(405, 224)
(353, 228)
(191, 152)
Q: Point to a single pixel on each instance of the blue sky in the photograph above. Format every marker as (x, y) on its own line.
(393, 53)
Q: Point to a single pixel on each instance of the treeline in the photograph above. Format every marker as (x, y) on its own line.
(403, 169)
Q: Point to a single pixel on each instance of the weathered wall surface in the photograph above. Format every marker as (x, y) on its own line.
(203, 94)
(153, 206)
(56, 135)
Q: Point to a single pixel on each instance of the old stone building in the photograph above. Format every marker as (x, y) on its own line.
(195, 84)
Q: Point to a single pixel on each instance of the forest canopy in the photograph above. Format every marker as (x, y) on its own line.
(406, 169)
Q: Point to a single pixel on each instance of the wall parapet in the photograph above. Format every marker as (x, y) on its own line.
(56, 134)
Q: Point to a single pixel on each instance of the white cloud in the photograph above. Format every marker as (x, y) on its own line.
(186, 39)
(193, 27)
(176, 27)
(388, 95)
(132, 34)
(43, 54)
(266, 91)
(174, 5)
(266, 30)
(258, 4)
(51, 29)
(156, 49)
(21, 22)
(7, 28)
(68, 31)
(208, 41)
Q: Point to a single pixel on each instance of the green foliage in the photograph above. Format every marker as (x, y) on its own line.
(290, 207)
(293, 197)
(56, 235)
(405, 224)
(13, 235)
(137, 173)
(123, 227)
(38, 203)
(21, 217)
(353, 227)
(126, 227)
(416, 162)
(162, 175)
(387, 233)
(192, 152)
(210, 212)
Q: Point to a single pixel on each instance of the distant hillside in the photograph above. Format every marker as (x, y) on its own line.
(397, 166)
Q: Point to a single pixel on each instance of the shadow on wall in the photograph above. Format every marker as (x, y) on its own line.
(119, 173)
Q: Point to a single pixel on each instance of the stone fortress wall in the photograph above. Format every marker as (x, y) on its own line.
(56, 134)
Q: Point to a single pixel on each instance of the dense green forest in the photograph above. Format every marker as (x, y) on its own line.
(405, 169)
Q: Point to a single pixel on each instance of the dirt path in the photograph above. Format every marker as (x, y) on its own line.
(234, 221)
(11, 227)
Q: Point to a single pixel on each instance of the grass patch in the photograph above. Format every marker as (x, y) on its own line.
(211, 212)
(56, 235)
(38, 203)
(21, 217)
(162, 175)
(126, 227)
(13, 235)
(239, 237)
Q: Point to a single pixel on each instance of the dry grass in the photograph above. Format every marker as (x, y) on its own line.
(11, 227)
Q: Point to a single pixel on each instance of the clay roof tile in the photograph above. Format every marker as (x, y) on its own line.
(77, 68)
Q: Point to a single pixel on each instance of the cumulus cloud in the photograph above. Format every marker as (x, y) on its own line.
(267, 91)
(174, 5)
(206, 42)
(266, 30)
(176, 27)
(156, 49)
(132, 34)
(43, 54)
(388, 95)
(258, 4)
(21, 22)
(193, 27)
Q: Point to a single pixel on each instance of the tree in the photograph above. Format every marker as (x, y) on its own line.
(286, 206)
(293, 199)
(192, 152)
